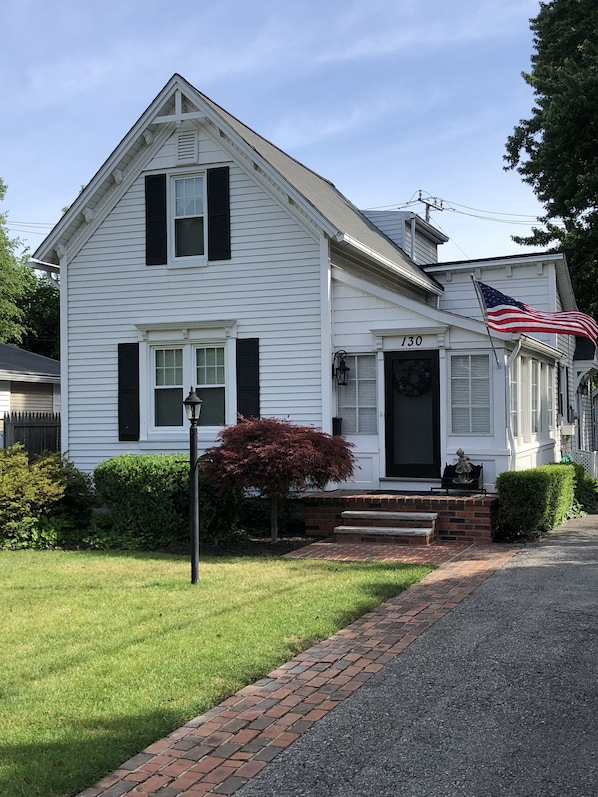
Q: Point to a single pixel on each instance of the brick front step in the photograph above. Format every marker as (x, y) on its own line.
(413, 519)
(467, 518)
(385, 534)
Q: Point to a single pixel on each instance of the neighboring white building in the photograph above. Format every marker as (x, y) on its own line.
(201, 254)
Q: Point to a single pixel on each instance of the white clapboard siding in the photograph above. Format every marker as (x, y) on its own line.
(353, 311)
(271, 287)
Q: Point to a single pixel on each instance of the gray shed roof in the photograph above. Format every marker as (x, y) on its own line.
(15, 361)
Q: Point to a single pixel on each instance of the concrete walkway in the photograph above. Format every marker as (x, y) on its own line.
(429, 694)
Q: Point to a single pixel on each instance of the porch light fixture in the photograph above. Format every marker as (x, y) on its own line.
(192, 406)
(340, 370)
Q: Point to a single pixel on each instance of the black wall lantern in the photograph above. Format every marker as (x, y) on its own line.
(340, 370)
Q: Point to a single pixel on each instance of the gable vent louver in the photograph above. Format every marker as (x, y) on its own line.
(187, 147)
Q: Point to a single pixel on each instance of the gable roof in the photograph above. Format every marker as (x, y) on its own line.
(179, 101)
(15, 361)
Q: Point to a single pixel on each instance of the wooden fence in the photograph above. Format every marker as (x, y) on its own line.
(37, 431)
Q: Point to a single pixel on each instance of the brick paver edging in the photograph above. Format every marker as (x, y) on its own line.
(219, 751)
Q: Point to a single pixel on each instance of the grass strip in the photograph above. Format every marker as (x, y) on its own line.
(103, 653)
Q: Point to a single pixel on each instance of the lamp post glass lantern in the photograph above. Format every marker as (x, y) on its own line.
(192, 406)
(341, 369)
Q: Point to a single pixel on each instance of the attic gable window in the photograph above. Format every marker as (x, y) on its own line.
(189, 228)
(187, 218)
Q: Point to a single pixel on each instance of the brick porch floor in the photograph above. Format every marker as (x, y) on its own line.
(219, 751)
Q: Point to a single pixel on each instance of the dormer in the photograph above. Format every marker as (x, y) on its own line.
(415, 236)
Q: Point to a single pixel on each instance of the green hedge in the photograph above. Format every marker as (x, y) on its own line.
(534, 501)
(145, 501)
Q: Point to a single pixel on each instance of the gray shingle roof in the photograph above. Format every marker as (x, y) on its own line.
(17, 360)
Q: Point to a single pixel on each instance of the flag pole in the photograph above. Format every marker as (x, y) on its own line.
(485, 317)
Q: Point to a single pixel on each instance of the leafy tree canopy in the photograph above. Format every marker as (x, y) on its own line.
(40, 306)
(556, 149)
(14, 281)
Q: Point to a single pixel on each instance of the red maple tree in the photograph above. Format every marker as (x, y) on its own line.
(278, 459)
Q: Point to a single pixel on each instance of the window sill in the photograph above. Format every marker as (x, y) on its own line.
(176, 265)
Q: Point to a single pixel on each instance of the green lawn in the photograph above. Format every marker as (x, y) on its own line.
(103, 653)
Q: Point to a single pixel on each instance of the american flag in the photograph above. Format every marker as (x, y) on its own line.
(505, 314)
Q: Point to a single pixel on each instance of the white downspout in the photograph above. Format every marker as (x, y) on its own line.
(413, 237)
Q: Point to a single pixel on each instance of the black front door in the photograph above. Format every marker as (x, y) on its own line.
(412, 388)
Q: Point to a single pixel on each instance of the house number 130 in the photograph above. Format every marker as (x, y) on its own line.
(409, 340)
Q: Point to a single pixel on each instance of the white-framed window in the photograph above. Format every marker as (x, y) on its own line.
(188, 214)
(470, 394)
(174, 369)
(550, 395)
(356, 401)
(168, 386)
(210, 380)
(514, 397)
(535, 398)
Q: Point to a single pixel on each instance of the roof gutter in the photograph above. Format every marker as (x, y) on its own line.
(411, 276)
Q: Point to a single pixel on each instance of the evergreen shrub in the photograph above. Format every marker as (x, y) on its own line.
(145, 505)
(44, 503)
(534, 501)
(586, 489)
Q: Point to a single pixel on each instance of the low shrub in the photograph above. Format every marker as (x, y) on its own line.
(145, 505)
(534, 501)
(586, 489)
(45, 503)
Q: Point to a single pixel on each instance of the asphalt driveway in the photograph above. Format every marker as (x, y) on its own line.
(498, 697)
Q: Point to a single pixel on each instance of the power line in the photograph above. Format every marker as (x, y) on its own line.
(435, 203)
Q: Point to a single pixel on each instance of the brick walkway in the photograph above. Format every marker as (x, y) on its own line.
(219, 751)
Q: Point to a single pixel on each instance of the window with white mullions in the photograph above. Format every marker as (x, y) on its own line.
(175, 368)
(357, 400)
(168, 390)
(210, 381)
(535, 397)
(189, 227)
(514, 395)
(470, 394)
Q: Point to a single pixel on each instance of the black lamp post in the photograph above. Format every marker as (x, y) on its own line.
(192, 406)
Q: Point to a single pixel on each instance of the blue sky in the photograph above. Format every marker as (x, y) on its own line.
(384, 98)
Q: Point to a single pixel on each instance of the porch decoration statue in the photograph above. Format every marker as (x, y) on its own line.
(463, 468)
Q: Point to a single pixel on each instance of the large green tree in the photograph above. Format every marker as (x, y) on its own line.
(14, 281)
(40, 306)
(556, 149)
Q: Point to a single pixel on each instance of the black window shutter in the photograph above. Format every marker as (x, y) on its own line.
(218, 214)
(248, 377)
(128, 391)
(155, 220)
